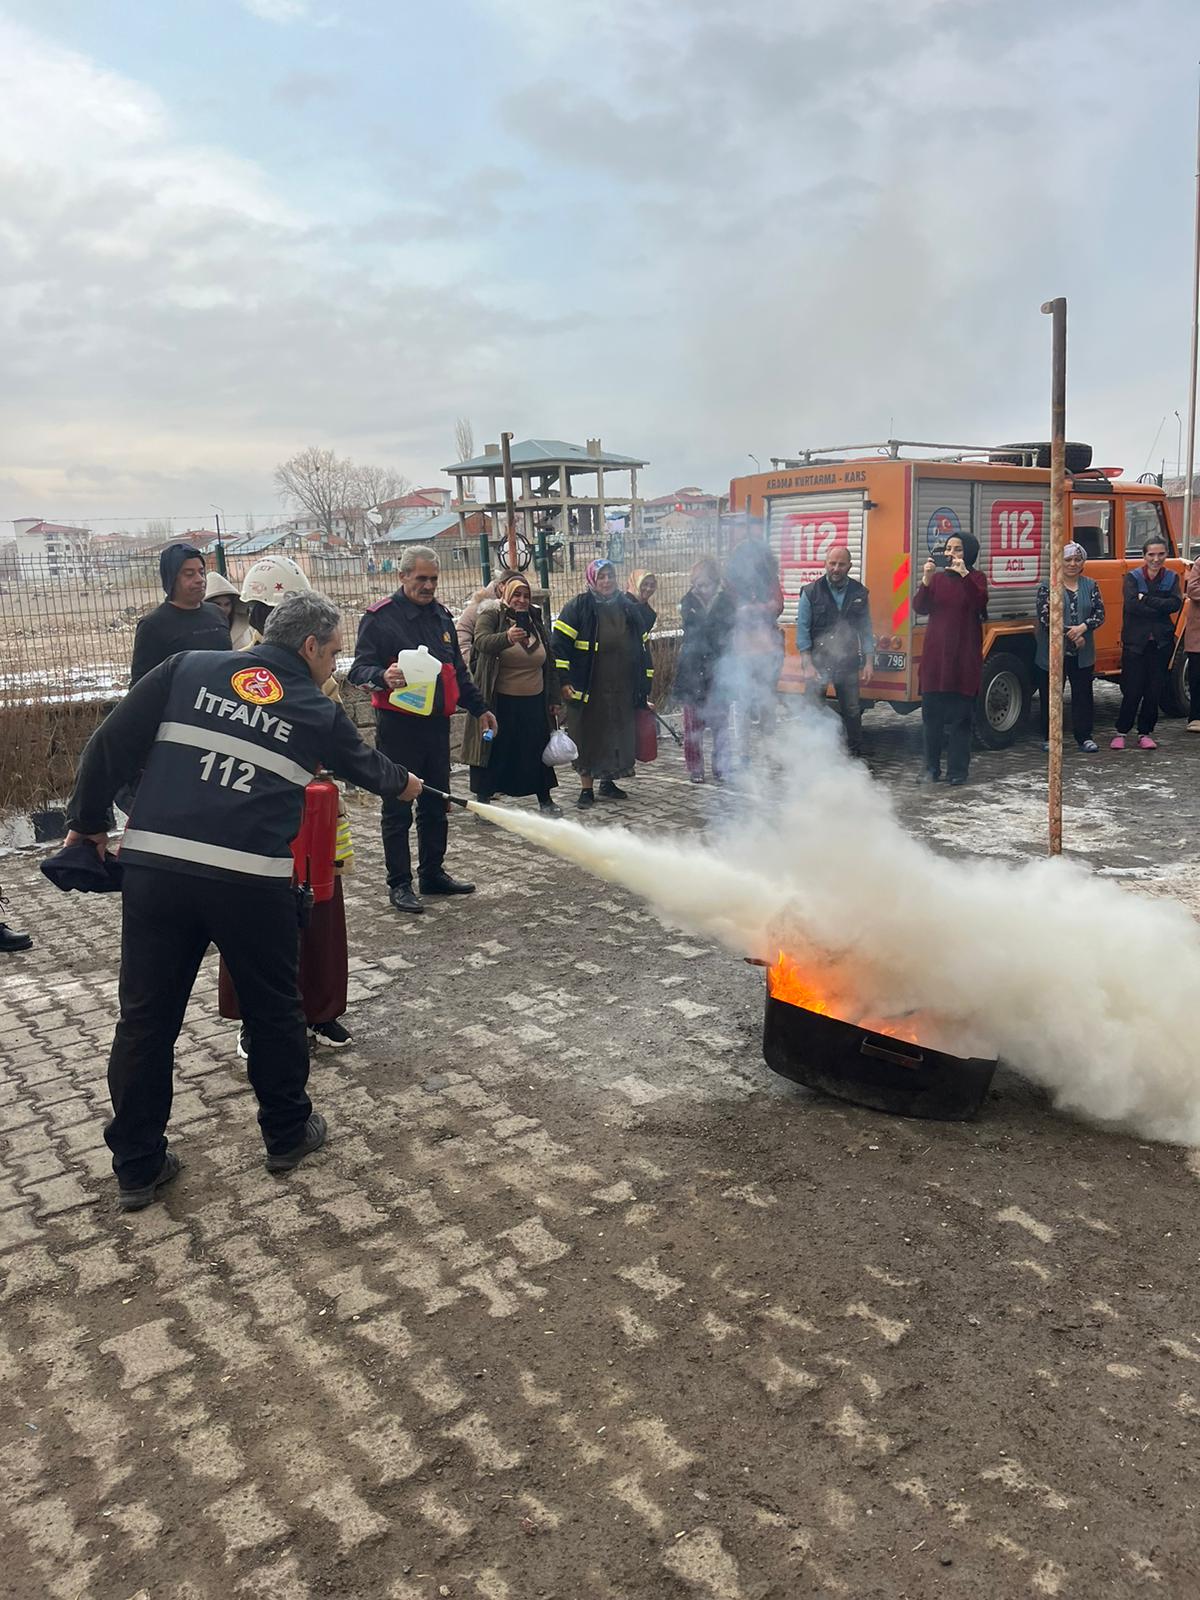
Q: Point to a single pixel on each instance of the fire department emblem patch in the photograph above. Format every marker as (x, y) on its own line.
(257, 686)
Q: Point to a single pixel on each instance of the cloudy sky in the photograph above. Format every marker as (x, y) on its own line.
(230, 228)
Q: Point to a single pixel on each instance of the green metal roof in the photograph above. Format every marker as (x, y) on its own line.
(543, 453)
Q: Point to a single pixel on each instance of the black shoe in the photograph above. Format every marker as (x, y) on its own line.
(443, 883)
(586, 798)
(11, 941)
(402, 898)
(956, 783)
(331, 1034)
(610, 791)
(139, 1199)
(315, 1132)
(929, 776)
(549, 809)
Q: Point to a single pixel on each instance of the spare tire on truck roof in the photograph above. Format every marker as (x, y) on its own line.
(1078, 456)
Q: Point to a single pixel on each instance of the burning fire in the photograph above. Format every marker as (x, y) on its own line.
(786, 982)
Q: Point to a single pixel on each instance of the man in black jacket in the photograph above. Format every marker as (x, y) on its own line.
(185, 620)
(834, 639)
(228, 746)
(413, 617)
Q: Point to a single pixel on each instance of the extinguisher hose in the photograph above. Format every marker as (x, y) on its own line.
(442, 795)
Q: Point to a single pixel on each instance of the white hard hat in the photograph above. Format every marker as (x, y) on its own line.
(272, 579)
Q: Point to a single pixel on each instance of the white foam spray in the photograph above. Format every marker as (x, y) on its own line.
(1087, 989)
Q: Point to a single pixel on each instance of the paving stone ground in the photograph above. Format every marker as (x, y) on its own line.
(581, 1301)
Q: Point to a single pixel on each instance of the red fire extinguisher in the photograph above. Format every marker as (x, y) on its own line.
(315, 847)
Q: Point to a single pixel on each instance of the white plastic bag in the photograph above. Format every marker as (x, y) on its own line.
(560, 750)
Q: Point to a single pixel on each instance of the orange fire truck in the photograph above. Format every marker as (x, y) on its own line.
(894, 509)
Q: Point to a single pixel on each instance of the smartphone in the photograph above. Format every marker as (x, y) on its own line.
(941, 559)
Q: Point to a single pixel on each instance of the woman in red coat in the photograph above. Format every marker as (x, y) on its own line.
(954, 599)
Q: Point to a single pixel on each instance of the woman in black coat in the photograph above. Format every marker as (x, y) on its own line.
(707, 613)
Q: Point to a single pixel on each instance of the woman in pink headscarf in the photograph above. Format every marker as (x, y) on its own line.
(602, 653)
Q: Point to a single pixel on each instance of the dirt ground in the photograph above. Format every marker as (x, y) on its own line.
(582, 1301)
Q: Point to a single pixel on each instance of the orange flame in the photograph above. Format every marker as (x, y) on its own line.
(786, 982)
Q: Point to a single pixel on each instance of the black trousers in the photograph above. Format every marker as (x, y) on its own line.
(168, 921)
(947, 718)
(422, 744)
(1193, 683)
(1083, 709)
(847, 690)
(1143, 679)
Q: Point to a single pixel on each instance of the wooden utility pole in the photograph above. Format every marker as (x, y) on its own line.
(509, 503)
(1058, 437)
(1185, 542)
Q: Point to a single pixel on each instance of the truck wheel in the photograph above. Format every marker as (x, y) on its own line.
(1175, 697)
(1077, 457)
(1004, 699)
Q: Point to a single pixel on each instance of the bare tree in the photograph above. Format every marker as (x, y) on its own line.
(318, 481)
(464, 443)
(373, 488)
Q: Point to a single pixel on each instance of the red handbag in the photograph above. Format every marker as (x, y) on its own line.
(645, 747)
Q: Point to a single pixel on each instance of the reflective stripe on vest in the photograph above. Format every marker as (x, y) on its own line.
(210, 855)
(228, 744)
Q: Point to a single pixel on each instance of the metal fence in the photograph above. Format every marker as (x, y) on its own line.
(67, 627)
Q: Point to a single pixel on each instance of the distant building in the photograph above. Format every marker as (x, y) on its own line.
(687, 514)
(414, 506)
(50, 547)
(1173, 488)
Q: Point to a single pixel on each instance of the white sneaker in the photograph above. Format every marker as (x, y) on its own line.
(1193, 727)
(242, 1048)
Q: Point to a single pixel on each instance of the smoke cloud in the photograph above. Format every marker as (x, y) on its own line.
(1083, 987)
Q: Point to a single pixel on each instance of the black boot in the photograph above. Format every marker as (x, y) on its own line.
(610, 790)
(440, 882)
(402, 898)
(11, 941)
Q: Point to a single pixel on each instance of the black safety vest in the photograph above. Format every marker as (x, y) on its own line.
(839, 634)
(223, 788)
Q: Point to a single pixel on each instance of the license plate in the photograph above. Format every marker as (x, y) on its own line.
(890, 661)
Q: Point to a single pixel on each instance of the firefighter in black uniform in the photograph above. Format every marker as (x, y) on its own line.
(228, 743)
(410, 618)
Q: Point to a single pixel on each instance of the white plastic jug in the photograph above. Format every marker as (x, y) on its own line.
(421, 673)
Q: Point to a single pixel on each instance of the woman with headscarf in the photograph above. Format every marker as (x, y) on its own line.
(603, 658)
(227, 598)
(954, 598)
(512, 665)
(643, 586)
(707, 614)
(750, 672)
(464, 623)
(1083, 612)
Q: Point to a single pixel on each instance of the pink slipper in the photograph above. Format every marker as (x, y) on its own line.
(1146, 743)
(1118, 742)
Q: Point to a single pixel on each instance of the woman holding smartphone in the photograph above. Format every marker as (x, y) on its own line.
(512, 664)
(954, 597)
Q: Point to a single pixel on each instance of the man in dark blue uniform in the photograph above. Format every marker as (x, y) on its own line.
(412, 617)
(228, 743)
